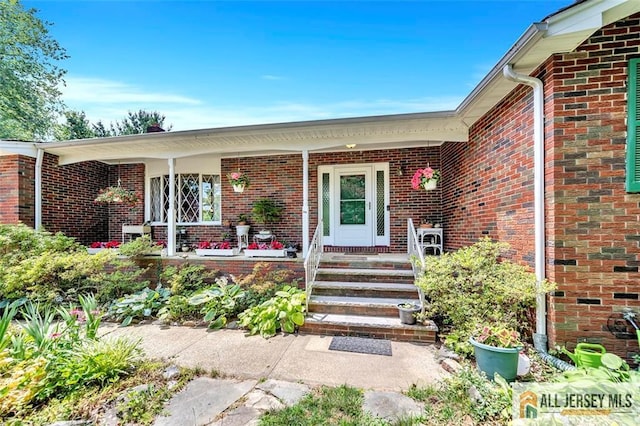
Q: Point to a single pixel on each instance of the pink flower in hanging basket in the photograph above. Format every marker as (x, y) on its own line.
(422, 176)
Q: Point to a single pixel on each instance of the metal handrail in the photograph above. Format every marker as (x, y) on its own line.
(312, 261)
(416, 257)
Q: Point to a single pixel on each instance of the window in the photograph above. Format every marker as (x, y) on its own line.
(633, 125)
(197, 198)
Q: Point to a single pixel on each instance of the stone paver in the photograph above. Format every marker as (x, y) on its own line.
(391, 406)
(202, 400)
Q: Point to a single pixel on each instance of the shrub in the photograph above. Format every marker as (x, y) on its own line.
(186, 279)
(52, 268)
(123, 277)
(139, 247)
(474, 287)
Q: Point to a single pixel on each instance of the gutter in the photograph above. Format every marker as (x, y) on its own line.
(38, 188)
(540, 340)
(534, 33)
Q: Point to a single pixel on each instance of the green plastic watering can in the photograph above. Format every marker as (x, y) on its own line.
(587, 355)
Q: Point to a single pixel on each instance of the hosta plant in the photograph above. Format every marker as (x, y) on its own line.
(143, 304)
(284, 311)
(217, 302)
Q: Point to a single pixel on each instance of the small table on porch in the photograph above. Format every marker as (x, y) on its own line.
(430, 238)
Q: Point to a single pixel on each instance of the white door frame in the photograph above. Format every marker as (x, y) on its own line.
(327, 175)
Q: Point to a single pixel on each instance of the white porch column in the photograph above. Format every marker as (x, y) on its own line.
(38, 189)
(171, 214)
(305, 203)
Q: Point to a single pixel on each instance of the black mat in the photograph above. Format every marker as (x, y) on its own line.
(361, 345)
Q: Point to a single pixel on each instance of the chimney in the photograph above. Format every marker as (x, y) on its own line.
(154, 128)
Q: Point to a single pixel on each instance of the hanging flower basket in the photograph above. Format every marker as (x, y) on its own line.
(239, 181)
(117, 194)
(426, 179)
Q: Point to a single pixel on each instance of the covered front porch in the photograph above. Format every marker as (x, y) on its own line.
(311, 170)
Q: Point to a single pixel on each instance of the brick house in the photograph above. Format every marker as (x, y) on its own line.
(540, 155)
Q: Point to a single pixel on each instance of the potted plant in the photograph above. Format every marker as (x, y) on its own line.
(265, 211)
(407, 312)
(273, 249)
(239, 181)
(496, 350)
(426, 179)
(242, 231)
(242, 219)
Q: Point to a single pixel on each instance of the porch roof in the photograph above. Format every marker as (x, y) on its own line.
(376, 132)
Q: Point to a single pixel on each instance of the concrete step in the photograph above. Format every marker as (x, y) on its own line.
(365, 274)
(369, 326)
(365, 289)
(365, 306)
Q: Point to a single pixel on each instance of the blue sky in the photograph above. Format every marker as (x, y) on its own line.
(224, 63)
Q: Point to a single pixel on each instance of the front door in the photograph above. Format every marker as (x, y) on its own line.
(354, 204)
(353, 210)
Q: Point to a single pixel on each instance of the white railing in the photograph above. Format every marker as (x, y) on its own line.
(312, 261)
(416, 257)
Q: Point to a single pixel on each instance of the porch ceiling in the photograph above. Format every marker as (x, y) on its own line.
(368, 133)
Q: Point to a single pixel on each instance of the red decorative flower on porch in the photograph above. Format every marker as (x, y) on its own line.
(105, 244)
(224, 245)
(274, 245)
(425, 178)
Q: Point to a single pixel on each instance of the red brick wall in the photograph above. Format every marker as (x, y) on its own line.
(131, 177)
(9, 189)
(488, 182)
(68, 192)
(593, 228)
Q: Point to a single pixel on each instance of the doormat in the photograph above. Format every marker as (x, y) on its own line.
(361, 345)
(361, 253)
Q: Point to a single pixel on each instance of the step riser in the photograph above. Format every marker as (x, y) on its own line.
(377, 311)
(381, 278)
(386, 266)
(418, 335)
(348, 292)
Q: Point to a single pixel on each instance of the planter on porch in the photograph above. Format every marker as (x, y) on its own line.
(430, 185)
(265, 253)
(407, 313)
(217, 252)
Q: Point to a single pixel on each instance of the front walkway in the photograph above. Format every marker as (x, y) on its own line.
(295, 358)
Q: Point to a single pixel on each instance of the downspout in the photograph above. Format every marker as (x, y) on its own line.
(171, 214)
(305, 203)
(540, 336)
(38, 189)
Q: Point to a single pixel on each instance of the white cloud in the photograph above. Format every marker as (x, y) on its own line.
(109, 101)
(271, 77)
(100, 91)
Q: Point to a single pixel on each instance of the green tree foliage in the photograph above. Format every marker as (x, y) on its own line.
(77, 126)
(29, 74)
(137, 122)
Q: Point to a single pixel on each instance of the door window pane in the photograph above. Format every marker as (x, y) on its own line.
(352, 200)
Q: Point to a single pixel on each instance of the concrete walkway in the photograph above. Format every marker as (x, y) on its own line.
(258, 374)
